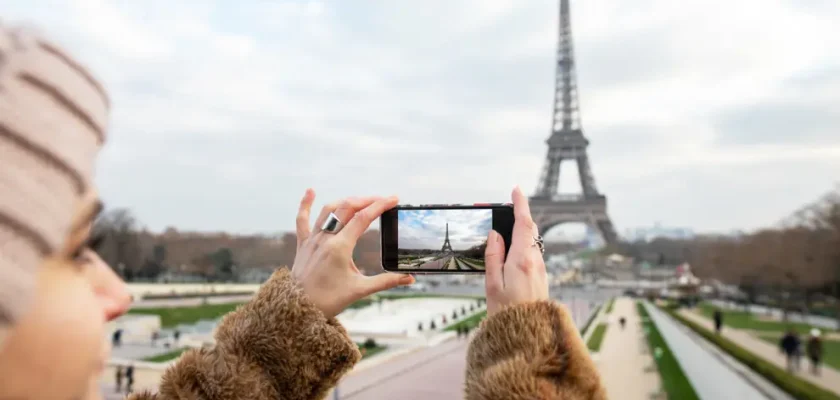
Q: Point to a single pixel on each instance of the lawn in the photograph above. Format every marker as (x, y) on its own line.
(831, 348)
(470, 322)
(610, 306)
(745, 320)
(170, 317)
(674, 381)
(594, 342)
(167, 356)
(173, 316)
(370, 351)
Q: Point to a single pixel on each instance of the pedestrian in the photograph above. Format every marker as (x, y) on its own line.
(118, 378)
(129, 379)
(718, 317)
(789, 345)
(815, 351)
(622, 321)
(116, 338)
(176, 335)
(155, 336)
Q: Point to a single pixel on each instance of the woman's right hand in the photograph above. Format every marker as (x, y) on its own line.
(522, 277)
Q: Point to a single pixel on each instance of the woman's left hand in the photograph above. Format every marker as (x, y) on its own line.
(324, 264)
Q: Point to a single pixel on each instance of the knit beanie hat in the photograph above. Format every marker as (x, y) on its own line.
(53, 116)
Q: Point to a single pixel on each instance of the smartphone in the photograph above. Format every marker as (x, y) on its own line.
(441, 239)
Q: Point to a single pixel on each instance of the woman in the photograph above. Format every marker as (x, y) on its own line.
(56, 294)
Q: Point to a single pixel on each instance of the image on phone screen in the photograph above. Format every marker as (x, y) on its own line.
(443, 239)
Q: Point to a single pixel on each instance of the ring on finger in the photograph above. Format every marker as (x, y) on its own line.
(332, 224)
(539, 243)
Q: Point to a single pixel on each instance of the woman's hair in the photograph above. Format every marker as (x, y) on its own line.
(53, 117)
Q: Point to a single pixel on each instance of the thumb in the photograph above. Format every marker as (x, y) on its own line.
(494, 260)
(384, 281)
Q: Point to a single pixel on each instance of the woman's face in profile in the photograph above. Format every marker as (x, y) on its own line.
(58, 349)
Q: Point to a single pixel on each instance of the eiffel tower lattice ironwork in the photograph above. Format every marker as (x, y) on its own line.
(567, 142)
(447, 247)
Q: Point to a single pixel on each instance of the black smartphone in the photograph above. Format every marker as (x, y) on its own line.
(441, 239)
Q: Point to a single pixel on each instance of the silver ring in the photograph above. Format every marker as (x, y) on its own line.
(332, 224)
(538, 242)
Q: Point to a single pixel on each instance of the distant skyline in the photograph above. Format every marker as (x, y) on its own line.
(426, 229)
(710, 114)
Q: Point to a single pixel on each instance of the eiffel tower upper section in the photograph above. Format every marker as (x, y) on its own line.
(567, 141)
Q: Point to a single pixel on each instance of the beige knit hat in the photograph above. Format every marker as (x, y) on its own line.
(53, 117)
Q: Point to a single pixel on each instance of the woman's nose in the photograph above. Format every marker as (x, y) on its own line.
(110, 289)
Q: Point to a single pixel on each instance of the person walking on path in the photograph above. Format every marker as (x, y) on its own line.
(814, 348)
(129, 379)
(622, 321)
(789, 344)
(118, 378)
(718, 316)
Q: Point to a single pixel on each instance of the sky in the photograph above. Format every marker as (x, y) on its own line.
(709, 114)
(426, 229)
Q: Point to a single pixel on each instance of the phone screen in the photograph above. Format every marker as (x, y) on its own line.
(441, 239)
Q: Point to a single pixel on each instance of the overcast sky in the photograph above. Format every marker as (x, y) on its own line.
(710, 114)
(426, 229)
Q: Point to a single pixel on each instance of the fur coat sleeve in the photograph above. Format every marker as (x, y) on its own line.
(531, 351)
(277, 346)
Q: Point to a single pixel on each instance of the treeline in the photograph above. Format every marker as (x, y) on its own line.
(788, 265)
(138, 254)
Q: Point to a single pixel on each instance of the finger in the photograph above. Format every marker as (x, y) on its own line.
(524, 228)
(384, 281)
(325, 212)
(348, 208)
(362, 220)
(494, 260)
(302, 220)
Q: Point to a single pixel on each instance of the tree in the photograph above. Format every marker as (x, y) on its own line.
(121, 247)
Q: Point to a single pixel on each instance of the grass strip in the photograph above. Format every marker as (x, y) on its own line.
(740, 319)
(594, 342)
(173, 316)
(591, 318)
(469, 322)
(610, 305)
(792, 384)
(167, 356)
(674, 381)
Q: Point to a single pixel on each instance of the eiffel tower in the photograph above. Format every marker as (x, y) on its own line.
(447, 247)
(567, 142)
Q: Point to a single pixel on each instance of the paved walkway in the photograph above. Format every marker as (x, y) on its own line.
(627, 371)
(432, 373)
(829, 378)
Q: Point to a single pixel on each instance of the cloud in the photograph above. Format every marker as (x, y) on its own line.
(426, 229)
(223, 114)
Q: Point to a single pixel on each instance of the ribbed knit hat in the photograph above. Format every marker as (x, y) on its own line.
(53, 117)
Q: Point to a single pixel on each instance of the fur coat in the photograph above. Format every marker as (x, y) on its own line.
(279, 346)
